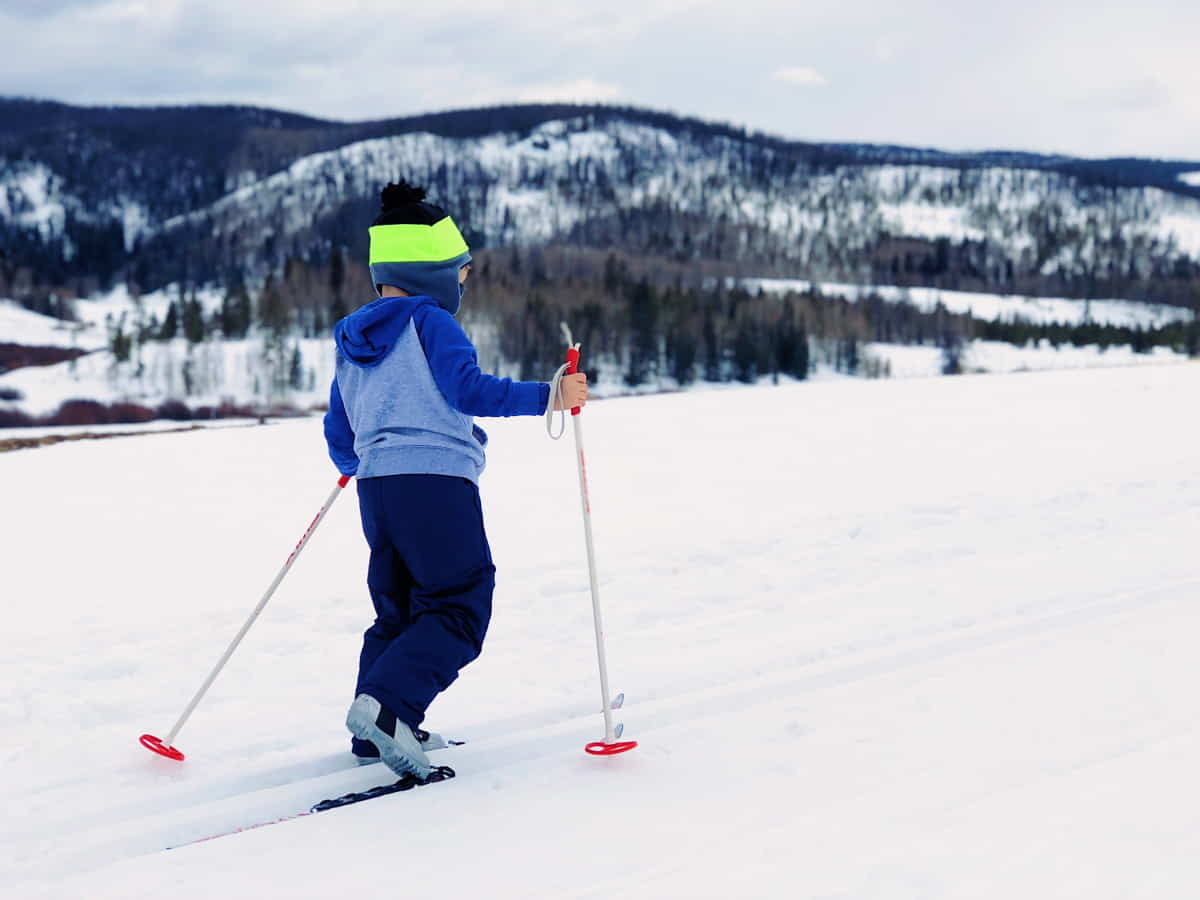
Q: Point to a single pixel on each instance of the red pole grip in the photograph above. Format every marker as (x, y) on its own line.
(572, 368)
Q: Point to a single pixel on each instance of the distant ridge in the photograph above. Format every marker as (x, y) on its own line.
(285, 136)
(92, 197)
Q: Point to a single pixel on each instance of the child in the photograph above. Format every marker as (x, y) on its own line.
(400, 418)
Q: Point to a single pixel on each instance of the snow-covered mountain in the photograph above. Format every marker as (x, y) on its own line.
(639, 187)
(137, 202)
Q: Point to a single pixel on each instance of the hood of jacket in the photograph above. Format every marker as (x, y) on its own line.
(438, 280)
(368, 334)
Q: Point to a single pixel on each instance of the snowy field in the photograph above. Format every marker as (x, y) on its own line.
(887, 640)
(999, 357)
(237, 371)
(991, 307)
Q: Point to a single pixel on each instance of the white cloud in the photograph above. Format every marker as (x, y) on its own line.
(583, 90)
(804, 76)
(1026, 75)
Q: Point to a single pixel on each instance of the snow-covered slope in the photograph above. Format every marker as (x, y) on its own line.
(646, 183)
(254, 371)
(30, 329)
(536, 188)
(992, 307)
(897, 640)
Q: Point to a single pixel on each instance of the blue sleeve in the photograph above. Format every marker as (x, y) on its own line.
(456, 371)
(339, 435)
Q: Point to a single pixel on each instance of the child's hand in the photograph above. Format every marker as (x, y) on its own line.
(574, 390)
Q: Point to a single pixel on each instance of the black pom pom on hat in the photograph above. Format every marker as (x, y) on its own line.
(395, 196)
(404, 204)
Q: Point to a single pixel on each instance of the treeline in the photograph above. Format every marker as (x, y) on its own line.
(1181, 336)
(648, 323)
(658, 323)
(1130, 268)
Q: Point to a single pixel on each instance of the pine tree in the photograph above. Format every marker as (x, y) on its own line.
(235, 312)
(712, 348)
(193, 320)
(791, 344)
(120, 343)
(296, 370)
(643, 326)
(849, 354)
(273, 314)
(745, 352)
(170, 325)
(681, 356)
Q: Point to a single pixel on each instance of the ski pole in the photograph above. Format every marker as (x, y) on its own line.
(610, 745)
(164, 746)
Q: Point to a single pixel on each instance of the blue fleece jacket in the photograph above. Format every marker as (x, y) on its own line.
(406, 388)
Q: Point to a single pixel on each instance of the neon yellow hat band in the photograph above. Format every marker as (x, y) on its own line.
(416, 243)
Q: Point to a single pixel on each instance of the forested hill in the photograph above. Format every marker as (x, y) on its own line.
(221, 195)
(241, 140)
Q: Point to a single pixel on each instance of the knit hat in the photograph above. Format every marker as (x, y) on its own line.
(416, 247)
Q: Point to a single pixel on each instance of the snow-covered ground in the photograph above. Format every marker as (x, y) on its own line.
(926, 638)
(22, 326)
(205, 374)
(242, 372)
(992, 307)
(998, 357)
(96, 315)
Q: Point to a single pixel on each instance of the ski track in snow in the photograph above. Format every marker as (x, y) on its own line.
(884, 640)
(175, 818)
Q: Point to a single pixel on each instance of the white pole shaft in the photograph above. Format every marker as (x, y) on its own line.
(609, 736)
(212, 676)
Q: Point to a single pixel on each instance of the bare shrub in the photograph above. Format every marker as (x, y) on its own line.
(14, 418)
(175, 410)
(79, 412)
(130, 413)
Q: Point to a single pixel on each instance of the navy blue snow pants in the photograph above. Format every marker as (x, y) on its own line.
(431, 579)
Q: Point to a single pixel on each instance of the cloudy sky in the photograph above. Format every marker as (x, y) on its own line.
(1089, 79)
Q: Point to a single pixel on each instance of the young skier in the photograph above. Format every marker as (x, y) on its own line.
(400, 414)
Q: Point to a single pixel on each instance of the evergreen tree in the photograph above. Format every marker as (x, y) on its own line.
(951, 354)
(170, 325)
(296, 370)
(785, 347)
(273, 313)
(681, 356)
(802, 359)
(849, 354)
(745, 352)
(712, 348)
(235, 312)
(120, 343)
(643, 326)
(791, 344)
(193, 320)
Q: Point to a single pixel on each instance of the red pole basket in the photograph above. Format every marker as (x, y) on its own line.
(150, 742)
